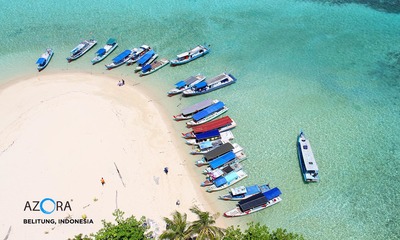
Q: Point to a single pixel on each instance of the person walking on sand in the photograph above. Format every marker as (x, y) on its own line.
(102, 181)
(166, 170)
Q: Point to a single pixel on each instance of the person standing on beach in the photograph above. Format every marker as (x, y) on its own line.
(166, 170)
(102, 181)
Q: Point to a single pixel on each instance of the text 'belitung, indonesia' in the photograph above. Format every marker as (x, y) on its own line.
(47, 206)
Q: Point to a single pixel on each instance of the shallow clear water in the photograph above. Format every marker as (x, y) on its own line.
(331, 70)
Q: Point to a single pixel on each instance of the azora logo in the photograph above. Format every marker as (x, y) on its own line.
(47, 206)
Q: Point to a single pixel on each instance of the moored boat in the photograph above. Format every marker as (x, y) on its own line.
(209, 85)
(154, 66)
(44, 59)
(222, 124)
(147, 58)
(213, 136)
(208, 114)
(137, 54)
(255, 203)
(120, 59)
(102, 53)
(205, 147)
(81, 49)
(190, 55)
(308, 165)
(188, 112)
(213, 154)
(220, 172)
(236, 155)
(186, 84)
(227, 181)
(243, 192)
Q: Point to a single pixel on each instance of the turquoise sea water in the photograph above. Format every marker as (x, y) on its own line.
(330, 69)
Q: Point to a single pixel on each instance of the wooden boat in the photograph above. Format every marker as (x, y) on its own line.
(102, 53)
(190, 55)
(154, 66)
(308, 165)
(220, 172)
(226, 181)
(222, 124)
(120, 59)
(209, 85)
(215, 153)
(188, 112)
(205, 147)
(255, 203)
(81, 49)
(147, 58)
(186, 84)
(208, 114)
(213, 136)
(236, 155)
(44, 59)
(137, 54)
(242, 192)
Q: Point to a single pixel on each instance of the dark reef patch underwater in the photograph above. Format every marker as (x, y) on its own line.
(389, 6)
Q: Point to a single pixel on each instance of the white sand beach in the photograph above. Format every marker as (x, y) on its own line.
(60, 134)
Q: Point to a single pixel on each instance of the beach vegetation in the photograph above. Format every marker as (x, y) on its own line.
(177, 227)
(204, 227)
(256, 231)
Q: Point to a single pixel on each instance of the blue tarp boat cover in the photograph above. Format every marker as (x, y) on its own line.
(146, 68)
(273, 193)
(208, 111)
(200, 85)
(219, 181)
(122, 56)
(209, 134)
(41, 61)
(227, 179)
(219, 161)
(111, 41)
(204, 145)
(180, 84)
(101, 52)
(252, 189)
(146, 57)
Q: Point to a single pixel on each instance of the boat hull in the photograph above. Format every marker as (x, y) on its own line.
(177, 62)
(236, 212)
(91, 44)
(188, 94)
(98, 59)
(39, 67)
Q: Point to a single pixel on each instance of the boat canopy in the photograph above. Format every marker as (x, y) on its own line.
(198, 106)
(208, 111)
(253, 189)
(218, 123)
(193, 79)
(204, 145)
(122, 56)
(307, 154)
(206, 135)
(252, 202)
(78, 48)
(224, 148)
(238, 190)
(111, 41)
(146, 68)
(101, 52)
(227, 179)
(221, 160)
(217, 78)
(200, 85)
(41, 61)
(273, 193)
(146, 57)
(180, 84)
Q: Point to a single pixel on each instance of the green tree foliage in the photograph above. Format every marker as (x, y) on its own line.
(256, 231)
(177, 227)
(124, 229)
(204, 227)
